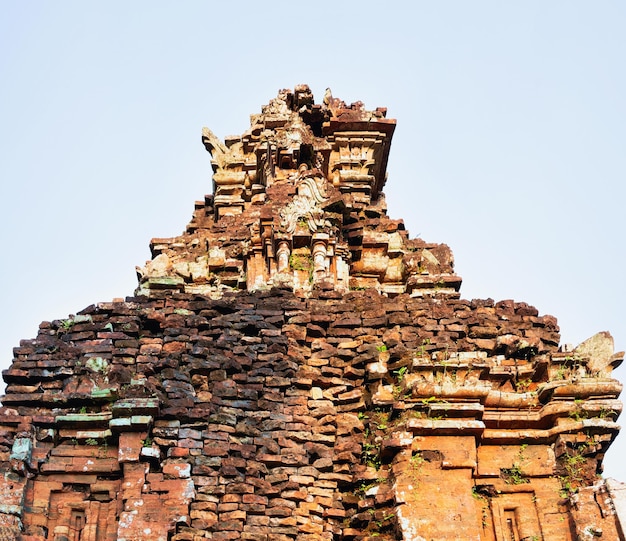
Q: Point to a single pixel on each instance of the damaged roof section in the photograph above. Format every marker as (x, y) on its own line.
(298, 203)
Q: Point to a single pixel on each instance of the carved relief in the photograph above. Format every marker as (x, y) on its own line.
(300, 170)
(305, 205)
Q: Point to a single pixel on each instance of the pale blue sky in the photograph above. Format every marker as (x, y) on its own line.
(509, 146)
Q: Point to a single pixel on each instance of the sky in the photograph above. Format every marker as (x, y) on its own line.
(509, 145)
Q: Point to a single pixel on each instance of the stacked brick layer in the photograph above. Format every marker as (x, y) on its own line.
(269, 416)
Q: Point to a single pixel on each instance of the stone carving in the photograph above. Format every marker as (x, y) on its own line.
(320, 166)
(282, 255)
(295, 367)
(305, 205)
(600, 351)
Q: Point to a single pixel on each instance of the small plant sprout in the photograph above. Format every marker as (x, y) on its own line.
(400, 373)
(415, 465)
(67, 324)
(514, 474)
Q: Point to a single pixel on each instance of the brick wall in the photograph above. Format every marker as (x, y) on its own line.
(270, 416)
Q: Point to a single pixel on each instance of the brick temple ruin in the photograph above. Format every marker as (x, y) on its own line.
(295, 366)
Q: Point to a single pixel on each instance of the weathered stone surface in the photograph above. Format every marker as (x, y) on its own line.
(294, 366)
(300, 197)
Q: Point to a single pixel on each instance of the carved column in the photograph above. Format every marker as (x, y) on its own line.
(320, 262)
(282, 256)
